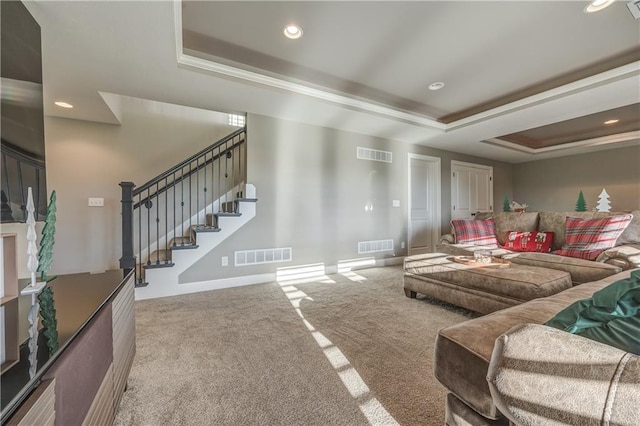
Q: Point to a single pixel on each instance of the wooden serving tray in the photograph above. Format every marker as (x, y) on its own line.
(470, 261)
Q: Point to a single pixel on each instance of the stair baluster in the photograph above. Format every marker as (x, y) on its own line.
(172, 235)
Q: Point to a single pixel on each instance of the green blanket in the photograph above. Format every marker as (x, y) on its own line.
(610, 316)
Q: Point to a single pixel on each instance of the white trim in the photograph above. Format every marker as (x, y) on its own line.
(436, 161)
(199, 286)
(177, 20)
(603, 140)
(609, 76)
(279, 83)
(473, 166)
(196, 287)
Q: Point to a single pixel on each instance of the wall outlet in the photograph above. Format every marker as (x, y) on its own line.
(96, 202)
(396, 203)
(225, 261)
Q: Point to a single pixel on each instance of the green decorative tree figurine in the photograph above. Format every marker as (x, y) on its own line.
(506, 206)
(49, 321)
(45, 257)
(581, 204)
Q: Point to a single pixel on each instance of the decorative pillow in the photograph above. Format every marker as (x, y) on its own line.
(587, 238)
(529, 241)
(611, 316)
(477, 232)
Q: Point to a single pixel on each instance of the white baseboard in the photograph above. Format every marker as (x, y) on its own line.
(196, 287)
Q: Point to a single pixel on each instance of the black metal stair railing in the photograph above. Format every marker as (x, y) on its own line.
(165, 213)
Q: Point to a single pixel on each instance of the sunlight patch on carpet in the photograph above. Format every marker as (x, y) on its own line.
(303, 274)
(374, 412)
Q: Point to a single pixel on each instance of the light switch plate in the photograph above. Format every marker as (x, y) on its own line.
(396, 203)
(225, 261)
(96, 202)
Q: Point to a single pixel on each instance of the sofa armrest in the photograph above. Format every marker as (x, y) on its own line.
(447, 239)
(625, 256)
(539, 375)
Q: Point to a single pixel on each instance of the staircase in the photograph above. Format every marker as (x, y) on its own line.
(172, 221)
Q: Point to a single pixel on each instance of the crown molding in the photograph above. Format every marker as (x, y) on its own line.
(604, 140)
(281, 83)
(613, 75)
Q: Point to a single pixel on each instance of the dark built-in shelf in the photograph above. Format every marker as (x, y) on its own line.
(78, 298)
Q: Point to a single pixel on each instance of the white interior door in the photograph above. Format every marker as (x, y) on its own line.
(424, 203)
(471, 189)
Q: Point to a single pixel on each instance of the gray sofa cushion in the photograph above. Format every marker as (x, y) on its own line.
(463, 351)
(578, 382)
(631, 235)
(581, 270)
(511, 221)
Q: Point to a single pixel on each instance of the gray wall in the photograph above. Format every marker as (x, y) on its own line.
(554, 184)
(87, 159)
(312, 192)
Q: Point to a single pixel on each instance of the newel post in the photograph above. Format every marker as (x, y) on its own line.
(128, 260)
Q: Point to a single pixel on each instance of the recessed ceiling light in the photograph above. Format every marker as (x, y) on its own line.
(292, 31)
(63, 104)
(596, 5)
(436, 86)
(614, 121)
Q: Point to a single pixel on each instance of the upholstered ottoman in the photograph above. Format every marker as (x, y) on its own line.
(480, 289)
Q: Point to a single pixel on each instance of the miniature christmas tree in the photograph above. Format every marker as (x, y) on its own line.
(32, 238)
(581, 204)
(49, 321)
(45, 255)
(604, 205)
(506, 206)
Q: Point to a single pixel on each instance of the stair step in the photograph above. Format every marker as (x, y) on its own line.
(154, 265)
(204, 228)
(247, 200)
(159, 256)
(212, 218)
(181, 241)
(184, 247)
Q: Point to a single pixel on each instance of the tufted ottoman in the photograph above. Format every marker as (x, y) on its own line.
(483, 290)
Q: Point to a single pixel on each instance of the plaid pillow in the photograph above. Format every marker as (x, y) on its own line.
(587, 238)
(529, 241)
(477, 232)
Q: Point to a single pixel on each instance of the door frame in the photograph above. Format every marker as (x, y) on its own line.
(436, 163)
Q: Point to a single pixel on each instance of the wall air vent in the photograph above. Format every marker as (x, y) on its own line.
(374, 246)
(374, 155)
(258, 257)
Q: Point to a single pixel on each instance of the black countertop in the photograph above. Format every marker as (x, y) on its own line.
(78, 297)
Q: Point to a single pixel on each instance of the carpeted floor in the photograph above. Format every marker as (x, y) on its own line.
(341, 350)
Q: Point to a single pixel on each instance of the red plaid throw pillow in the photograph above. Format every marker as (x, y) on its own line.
(587, 238)
(529, 241)
(477, 232)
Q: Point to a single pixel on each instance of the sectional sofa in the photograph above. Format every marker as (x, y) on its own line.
(508, 364)
(507, 367)
(623, 256)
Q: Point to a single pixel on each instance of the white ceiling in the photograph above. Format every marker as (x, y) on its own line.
(370, 63)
